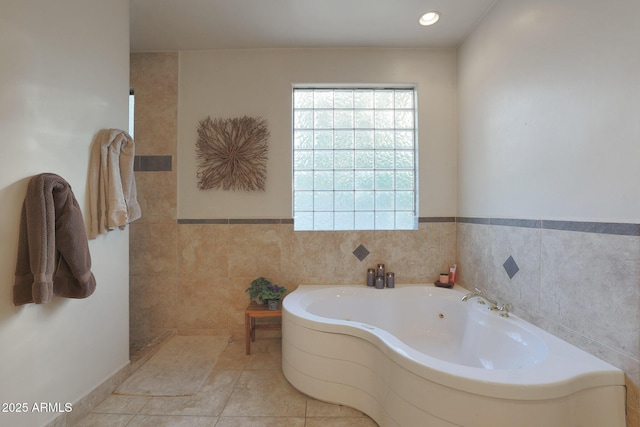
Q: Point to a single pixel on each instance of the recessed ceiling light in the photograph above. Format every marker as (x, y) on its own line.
(429, 18)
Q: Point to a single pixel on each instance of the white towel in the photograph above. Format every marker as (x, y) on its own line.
(112, 185)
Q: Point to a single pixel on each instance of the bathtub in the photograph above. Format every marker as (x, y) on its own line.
(419, 356)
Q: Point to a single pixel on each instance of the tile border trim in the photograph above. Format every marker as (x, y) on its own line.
(152, 163)
(615, 228)
(422, 219)
(236, 221)
(428, 219)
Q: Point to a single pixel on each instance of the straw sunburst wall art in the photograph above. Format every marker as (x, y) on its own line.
(232, 153)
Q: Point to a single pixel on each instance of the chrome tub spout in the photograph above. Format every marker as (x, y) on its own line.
(493, 305)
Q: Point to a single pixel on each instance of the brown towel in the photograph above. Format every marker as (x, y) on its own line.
(52, 232)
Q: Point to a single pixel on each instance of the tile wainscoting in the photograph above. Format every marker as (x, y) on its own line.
(190, 276)
(578, 280)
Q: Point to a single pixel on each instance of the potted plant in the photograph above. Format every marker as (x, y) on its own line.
(255, 289)
(261, 289)
(273, 294)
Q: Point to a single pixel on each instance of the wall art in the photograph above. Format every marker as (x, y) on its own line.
(232, 153)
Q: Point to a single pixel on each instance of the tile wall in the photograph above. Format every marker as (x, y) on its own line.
(153, 238)
(581, 283)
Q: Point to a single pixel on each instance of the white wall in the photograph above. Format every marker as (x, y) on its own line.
(64, 76)
(549, 112)
(234, 83)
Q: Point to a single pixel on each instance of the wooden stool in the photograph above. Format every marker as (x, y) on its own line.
(253, 312)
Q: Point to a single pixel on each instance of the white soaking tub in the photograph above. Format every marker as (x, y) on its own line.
(419, 356)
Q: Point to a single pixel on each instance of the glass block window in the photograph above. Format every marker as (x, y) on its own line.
(354, 158)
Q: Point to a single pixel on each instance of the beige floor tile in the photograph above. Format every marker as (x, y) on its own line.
(105, 420)
(240, 391)
(172, 421)
(317, 408)
(266, 355)
(117, 404)
(265, 393)
(260, 422)
(179, 368)
(233, 357)
(340, 422)
(209, 401)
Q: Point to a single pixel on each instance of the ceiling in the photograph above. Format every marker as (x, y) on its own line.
(167, 25)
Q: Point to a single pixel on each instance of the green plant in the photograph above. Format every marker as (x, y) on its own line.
(255, 287)
(263, 289)
(272, 292)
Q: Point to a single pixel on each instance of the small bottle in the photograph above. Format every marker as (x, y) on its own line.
(452, 273)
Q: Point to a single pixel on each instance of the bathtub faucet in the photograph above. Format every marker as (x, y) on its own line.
(493, 305)
(504, 310)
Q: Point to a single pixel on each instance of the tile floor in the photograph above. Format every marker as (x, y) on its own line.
(241, 391)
